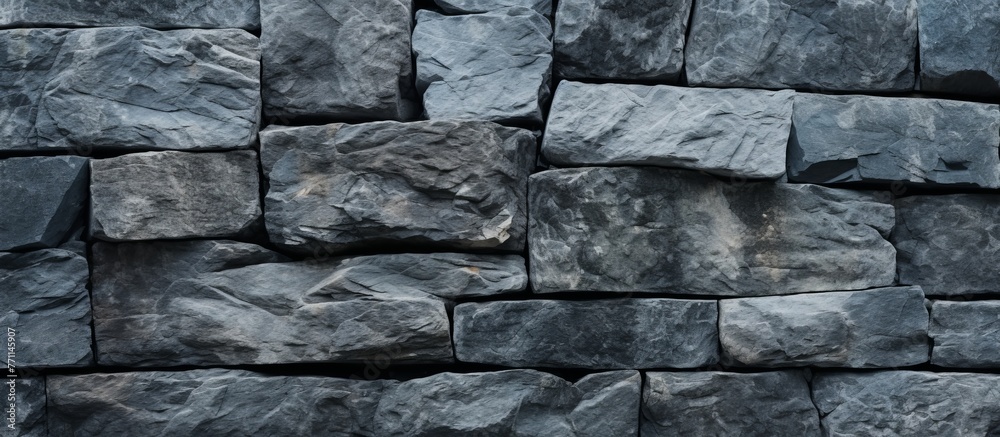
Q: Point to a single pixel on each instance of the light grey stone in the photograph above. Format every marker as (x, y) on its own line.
(512, 403)
(883, 327)
(946, 244)
(859, 45)
(958, 46)
(732, 132)
(445, 184)
(41, 199)
(898, 403)
(476, 6)
(594, 334)
(616, 39)
(44, 299)
(884, 139)
(243, 14)
(492, 66)
(171, 195)
(728, 404)
(341, 59)
(128, 88)
(966, 334)
(657, 230)
(29, 407)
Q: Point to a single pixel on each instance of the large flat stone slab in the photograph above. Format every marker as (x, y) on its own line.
(29, 419)
(958, 46)
(594, 334)
(41, 199)
(658, 230)
(44, 299)
(445, 184)
(732, 132)
(946, 243)
(884, 139)
(728, 404)
(965, 334)
(339, 59)
(171, 14)
(863, 45)
(500, 71)
(171, 195)
(128, 88)
(908, 403)
(883, 327)
(607, 39)
(477, 6)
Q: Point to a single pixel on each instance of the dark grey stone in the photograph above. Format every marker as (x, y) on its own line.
(512, 403)
(44, 298)
(899, 403)
(341, 59)
(476, 6)
(657, 230)
(733, 132)
(620, 39)
(596, 334)
(946, 244)
(884, 139)
(861, 45)
(243, 14)
(128, 88)
(728, 404)
(170, 195)
(958, 47)
(883, 327)
(966, 334)
(29, 407)
(445, 184)
(41, 199)
(499, 72)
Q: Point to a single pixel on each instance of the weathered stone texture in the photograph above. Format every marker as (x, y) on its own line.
(29, 407)
(171, 14)
(596, 334)
(445, 184)
(966, 334)
(958, 47)
(41, 199)
(733, 132)
(128, 88)
(476, 6)
(658, 230)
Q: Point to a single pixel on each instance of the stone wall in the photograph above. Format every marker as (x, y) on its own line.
(500, 218)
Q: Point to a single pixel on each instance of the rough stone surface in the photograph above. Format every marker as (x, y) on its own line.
(476, 6)
(728, 404)
(958, 47)
(170, 195)
(947, 244)
(29, 407)
(658, 230)
(242, 14)
(884, 139)
(446, 184)
(512, 403)
(966, 334)
(884, 327)
(597, 334)
(128, 88)
(860, 45)
(43, 297)
(897, 403)
(615, 39)
(733, 132)
(498, 71)
(41, 199)
(342, 59)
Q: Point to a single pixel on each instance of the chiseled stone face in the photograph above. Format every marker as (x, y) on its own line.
(958, 47)
(41, 199)
(476, 6)
(170, 14)
(29, 407)
(966, 334)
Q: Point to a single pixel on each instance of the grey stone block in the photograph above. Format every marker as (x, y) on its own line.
(966, 334)
(41, 199)
(170, 14)
(29, 407)
(476, 6)
(958, 47)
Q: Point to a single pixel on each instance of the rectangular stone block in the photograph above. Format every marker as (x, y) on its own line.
(594, 334)
(958, 47)
(477, 6)
(170, 14)
(884, 327)
(630, 229)
(28, 419)
(339, 59)
(733, 132)
(884, 139)
(128, 88)
(965, 334)
(860, 45)
(445, 184)
(171, 195)
(728, 404)
(41, 199)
